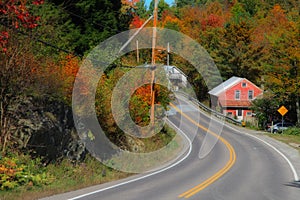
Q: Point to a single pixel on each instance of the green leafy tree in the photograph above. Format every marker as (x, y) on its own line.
(95, 20)
(162, 6)
(183, 3)
(251, 7)
(265, 109)
(239, 14)
(141, 9)
(236, 56)
(56, 30)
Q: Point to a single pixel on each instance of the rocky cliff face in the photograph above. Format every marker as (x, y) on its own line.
(45, 127)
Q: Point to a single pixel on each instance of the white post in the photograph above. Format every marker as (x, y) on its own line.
(168, 56)
(272, 127)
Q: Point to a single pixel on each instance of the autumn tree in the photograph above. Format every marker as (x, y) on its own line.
(17, 60)
(140, 102)
(281, 56)
(191, 18)
(15, 15)
(32, 67)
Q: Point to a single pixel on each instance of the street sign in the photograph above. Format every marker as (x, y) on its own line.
(282, 110)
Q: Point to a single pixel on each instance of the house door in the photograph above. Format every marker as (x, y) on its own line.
(239, 114)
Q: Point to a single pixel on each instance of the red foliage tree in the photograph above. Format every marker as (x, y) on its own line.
(137, 22)
(16, 14)
(212, 20)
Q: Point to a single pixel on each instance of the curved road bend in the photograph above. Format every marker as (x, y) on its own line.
(238, 168)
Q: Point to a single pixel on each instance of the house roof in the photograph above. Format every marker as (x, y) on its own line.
(170, 68)
(235, 103)
(225, 85)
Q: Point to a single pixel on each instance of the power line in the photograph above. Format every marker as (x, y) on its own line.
(55, 46)
(40, 40)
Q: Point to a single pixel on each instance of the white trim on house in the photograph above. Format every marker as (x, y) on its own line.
(228, 84)
(225, 85)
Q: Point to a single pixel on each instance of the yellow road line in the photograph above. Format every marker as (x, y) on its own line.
(221, 172)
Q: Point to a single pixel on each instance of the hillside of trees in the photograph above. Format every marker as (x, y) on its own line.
(257, 40)
(43, 43)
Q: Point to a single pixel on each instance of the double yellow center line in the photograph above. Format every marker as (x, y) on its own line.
(221, 172)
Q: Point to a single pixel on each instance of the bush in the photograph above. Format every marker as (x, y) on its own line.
(18, 171)
(292, 131)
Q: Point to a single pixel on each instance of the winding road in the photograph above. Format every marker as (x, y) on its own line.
(239, 167)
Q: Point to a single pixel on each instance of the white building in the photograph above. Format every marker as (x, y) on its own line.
(176, 77)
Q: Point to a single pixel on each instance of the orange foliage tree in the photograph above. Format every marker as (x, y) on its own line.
(140, 102)
(280, 38)
(196, 20)
(17, 78)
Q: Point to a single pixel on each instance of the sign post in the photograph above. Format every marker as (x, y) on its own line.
(282, 110)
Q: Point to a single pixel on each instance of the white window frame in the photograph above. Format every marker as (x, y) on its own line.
(249, 94)
(239, 112)
(244, 84)
(235, 94)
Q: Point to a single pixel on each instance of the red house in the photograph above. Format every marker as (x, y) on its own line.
(233, 97)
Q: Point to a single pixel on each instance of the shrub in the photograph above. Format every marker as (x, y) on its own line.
(292, 131)
(18, 171)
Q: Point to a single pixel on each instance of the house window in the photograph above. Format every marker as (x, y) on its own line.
(250, 94)
(229, 113)
(249, 113)
(244, 84)
(239, 112)
(237, 94)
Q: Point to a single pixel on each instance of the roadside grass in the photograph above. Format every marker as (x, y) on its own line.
(292, 140)
(290, 136)
(158, 151)
(158, 141)
(67, 176)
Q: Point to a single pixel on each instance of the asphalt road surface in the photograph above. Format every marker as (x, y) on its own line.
(238, 167)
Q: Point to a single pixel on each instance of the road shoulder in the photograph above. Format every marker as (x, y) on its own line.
(291, 153)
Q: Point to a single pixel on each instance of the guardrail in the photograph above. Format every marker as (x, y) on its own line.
(209, 110)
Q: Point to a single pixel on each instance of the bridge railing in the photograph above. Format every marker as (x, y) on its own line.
(209, 110)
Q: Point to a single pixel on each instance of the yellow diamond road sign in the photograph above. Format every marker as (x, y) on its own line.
(282, 110)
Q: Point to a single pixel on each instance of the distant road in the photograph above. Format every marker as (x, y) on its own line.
(239, 167)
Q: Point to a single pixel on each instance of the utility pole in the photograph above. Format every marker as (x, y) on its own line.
(137, 52)
(168, 55)
(135, 34)
(153, 62)
(153, 55)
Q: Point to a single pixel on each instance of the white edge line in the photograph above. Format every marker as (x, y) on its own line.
(296, 178)
(146, 176)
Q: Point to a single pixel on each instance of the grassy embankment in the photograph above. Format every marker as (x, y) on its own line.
(22, 177)
(290, 136)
